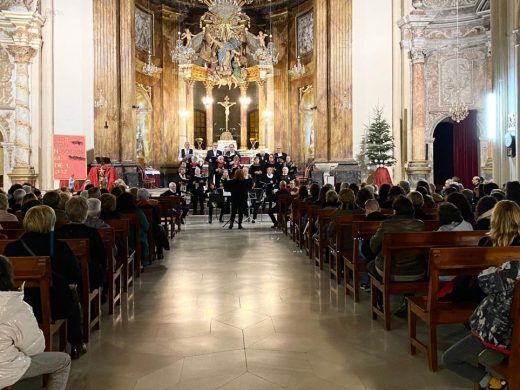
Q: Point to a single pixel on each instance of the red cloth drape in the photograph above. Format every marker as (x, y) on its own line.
(381, 176)
(465, 149)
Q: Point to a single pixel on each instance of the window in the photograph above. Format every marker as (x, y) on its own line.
(199, 131)
(253, 130)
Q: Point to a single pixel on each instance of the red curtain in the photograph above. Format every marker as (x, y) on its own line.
(465, 149)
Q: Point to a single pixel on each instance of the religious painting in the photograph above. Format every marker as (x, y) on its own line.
(143, 30)
(305, 33)
(456, 78)
(143, 123)
(307, 114)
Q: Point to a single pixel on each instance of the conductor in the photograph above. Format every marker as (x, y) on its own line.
(239, 188)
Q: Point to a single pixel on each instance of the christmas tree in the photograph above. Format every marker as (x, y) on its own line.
(379, 142)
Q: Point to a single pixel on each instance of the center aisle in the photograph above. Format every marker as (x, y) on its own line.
(243, 309)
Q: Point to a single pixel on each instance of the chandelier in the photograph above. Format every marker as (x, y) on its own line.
(298, 69)
(183, 55)
(459, 109)
(149, 68)
(269, 55)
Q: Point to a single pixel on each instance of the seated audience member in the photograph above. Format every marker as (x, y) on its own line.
(28, 205)
(28, 197)
(418, 202)
(363, 195)
(513, 191)
(84, 194)
(314, 195)
(383, 195)
(354, 187)
(344, 185)
(273, 209)
(451, 219)
(483, 212)
(293, 188)
(172, 190)
(373, 211)
(108, 207)
(405, 185)
(94, 210)
(161, 241)
(303, 193)
(38, 194)
(505, 225)
(395, 191)
(18, 196)
(469, 195)
(36, 241)
(64, 198)
(94, 192)
(116, 191)
(490, 324)
(133, 191)
(4, 215)
(498, 194)
(10, 194)
(405, 268)
(478, 187)
(22, 343)
(52, 199)
(427, 199)
(461, 202)
(331, 200)
(77, 210)
(323, 194)
(126, 205)
(347, 206)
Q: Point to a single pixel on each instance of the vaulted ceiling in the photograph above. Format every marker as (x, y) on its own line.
(256, 5)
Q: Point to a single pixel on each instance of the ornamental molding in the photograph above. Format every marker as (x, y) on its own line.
(18, 5)
(22, 54)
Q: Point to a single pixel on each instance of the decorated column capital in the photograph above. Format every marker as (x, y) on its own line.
(418, 55)
(21, 54)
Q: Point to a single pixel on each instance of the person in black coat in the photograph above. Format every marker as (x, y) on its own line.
(256, 170)
(239, 188)
(39, 240)
(211, 159)
(108, 207)
(77, 209)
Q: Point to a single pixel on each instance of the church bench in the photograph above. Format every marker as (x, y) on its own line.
(353, 266)
(11, 224)
(310, 229)
(114, 268)
(124, 257)
(36, 272)
(148, 212)
(339, 248)
(13, 234)
(414, 244)
(90, 300)
(170, 212)
(284, 208)
(293, 217)
(455, 261)
(319, 240)
(135, 225)
(299, 224)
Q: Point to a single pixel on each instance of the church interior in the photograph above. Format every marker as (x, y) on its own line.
(364, 149)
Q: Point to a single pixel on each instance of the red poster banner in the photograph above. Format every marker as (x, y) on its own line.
(70, 157)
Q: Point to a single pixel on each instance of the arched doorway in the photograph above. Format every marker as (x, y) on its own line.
(443, 152)
(456, 150)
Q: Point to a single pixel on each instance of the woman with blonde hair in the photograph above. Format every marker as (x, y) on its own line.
(505, 225)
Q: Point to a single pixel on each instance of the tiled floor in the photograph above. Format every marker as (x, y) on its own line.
(246, 310)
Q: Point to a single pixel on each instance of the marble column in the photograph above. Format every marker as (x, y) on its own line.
(418, 168)
(22, 171)
(262, 142)
(189, 108)
(243, 116)
(209, 115)
(269, 117)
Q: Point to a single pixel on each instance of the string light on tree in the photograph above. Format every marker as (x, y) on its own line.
(379, 142)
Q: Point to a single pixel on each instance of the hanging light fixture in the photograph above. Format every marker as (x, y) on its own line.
(298, 69)
(269, 55)
(149, 68)
(181, 54)
(459, 109)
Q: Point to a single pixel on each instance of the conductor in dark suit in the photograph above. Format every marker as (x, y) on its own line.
(211, 159)
(239, 188)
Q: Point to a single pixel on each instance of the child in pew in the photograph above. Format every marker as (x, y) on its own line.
(22, 343)
(491, 322)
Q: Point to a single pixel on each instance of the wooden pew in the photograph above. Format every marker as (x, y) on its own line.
(456, 261)
(125, 257)
(293, 218)
(170, 218)
(320, 241)
(312, 215)
(36, 272)
(340, 248)
(353, 266)
(135, 225)
(114, 269)
(509, 369)
(284, 207)
(12, 224)
(90, 300)
(151, 239)
(13, 234)
(299, 225)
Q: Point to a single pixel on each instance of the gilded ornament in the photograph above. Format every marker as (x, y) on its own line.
(21, 54)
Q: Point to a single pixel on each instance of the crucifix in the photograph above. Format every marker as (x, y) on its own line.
(227, 104)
